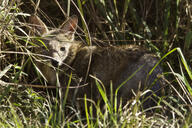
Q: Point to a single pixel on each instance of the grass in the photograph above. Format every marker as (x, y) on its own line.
(111, 24)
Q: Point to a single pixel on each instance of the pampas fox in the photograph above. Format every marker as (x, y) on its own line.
(113, 64)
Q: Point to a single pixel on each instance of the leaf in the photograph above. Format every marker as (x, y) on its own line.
(2, 73)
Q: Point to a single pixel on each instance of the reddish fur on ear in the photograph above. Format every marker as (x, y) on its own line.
(37, 25)
(70, 24)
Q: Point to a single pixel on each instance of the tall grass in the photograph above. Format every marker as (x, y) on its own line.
(110, 22)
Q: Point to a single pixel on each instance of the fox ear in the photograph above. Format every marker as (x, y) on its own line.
(70, 25)
(39, 28)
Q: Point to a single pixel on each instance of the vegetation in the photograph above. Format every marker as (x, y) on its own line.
(162, 26)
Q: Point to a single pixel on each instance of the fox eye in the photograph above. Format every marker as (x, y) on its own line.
(62, 48)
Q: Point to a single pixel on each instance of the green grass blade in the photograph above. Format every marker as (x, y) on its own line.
(170, 52)
(188, 40)
(185, 63)
(85, 28)
(116, 91)
(15, 117)
(104, 96)
(86, 111)
(68, 7)
(5, 70)
(67, 90)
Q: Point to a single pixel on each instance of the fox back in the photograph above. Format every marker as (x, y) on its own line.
(127, 64)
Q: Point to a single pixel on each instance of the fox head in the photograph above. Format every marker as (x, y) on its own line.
(59, 41)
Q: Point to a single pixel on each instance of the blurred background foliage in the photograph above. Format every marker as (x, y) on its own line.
(159, 25)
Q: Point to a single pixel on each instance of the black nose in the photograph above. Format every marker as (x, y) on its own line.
(54, 63)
